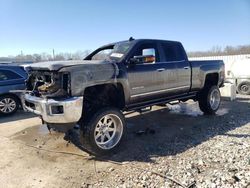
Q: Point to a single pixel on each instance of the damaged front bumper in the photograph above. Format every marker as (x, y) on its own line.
(55, 111)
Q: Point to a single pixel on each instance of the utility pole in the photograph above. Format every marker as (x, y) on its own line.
(22, 55)
(53, 54)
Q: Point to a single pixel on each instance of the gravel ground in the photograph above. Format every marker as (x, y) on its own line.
(177, 147)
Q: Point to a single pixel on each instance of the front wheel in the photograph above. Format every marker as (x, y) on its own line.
(8, 104)
(103, 133)
(209, 100)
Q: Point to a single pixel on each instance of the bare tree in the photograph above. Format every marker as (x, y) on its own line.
(217, 50)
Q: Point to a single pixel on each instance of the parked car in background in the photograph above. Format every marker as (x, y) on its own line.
(240, 75)
(12, 77)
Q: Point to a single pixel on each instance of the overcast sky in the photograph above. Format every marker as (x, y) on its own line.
(35, 26)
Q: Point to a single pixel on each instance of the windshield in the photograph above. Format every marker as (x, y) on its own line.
(113, 52)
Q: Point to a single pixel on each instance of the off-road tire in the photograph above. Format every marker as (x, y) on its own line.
(205, 98)
(244, 88)
(88, 131)
(12, 99)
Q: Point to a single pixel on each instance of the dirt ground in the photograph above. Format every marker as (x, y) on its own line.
(177, 142)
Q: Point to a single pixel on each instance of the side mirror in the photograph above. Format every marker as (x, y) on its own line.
(142, 59)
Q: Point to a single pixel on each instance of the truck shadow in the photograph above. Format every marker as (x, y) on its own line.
(19, 115)
(166, 132)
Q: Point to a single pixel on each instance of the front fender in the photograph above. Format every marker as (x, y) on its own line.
(83, 76)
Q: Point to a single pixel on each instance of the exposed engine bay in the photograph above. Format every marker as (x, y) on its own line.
(48, 84)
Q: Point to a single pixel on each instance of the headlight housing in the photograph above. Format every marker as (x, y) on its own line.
(49, 84)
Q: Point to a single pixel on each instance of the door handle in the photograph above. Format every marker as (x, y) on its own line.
(160, 70)
(186, 67)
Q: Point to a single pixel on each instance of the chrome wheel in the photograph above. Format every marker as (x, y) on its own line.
(108, 131)
(7, 105)
(214, 99)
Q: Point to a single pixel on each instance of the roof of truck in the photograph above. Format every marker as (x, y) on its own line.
(155, 40)
(140, 40)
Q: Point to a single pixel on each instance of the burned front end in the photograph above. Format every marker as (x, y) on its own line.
(48, 94)
(48, 84)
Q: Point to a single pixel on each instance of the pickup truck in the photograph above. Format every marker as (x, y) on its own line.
(123, 76)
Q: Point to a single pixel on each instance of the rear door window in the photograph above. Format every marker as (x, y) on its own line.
(173, 51)
(8, 75)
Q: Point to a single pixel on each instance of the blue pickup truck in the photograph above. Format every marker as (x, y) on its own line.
(12, 77)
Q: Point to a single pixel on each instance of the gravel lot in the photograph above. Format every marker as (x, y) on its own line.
(167, 147)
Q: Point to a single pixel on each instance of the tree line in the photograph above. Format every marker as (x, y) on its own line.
(215, 51)
(47, 57)
(219, 51)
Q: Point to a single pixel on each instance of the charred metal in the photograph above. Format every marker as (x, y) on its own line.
(48, 84)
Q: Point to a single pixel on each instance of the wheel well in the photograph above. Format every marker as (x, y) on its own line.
(211, 79)
(10, 94)
(105, 95)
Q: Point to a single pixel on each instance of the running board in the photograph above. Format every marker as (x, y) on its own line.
(144, 110)
(141, 105)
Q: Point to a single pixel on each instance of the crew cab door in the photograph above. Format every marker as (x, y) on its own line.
(145, 79)
(176, 63)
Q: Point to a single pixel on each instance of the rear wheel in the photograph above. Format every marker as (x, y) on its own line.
(244, 88)
(8, 104)
(103, 133)
(209, 100)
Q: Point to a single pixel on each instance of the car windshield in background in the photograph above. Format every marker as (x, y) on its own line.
(114, 52)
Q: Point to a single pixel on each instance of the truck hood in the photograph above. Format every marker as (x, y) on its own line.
(57, 65)
(82, 74)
